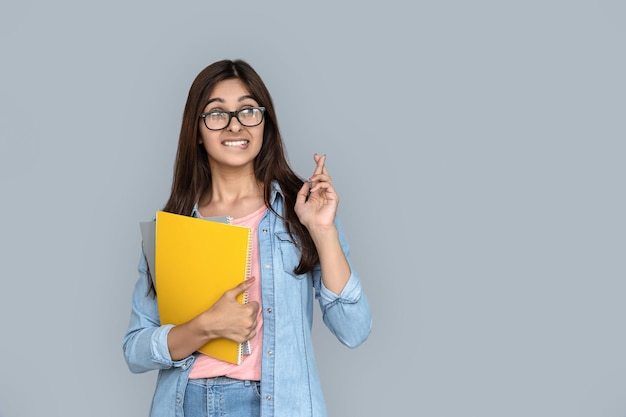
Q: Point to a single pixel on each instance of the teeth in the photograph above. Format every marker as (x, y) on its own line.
(235, 142)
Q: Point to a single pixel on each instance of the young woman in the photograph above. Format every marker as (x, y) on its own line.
(230, 161)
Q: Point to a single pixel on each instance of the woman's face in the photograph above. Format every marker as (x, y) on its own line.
(236, 145)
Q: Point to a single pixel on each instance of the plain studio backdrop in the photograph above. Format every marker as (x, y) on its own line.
(477, 147)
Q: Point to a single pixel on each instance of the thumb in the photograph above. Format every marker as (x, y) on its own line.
(244, 286)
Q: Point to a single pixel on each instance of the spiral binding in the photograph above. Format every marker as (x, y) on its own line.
(244, 348)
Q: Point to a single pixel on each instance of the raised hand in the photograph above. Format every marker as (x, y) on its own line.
(317, 201)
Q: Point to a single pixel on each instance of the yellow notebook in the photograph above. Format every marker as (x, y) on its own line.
(196, 260)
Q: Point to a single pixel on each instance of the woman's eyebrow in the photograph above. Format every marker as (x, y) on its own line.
(221, 100)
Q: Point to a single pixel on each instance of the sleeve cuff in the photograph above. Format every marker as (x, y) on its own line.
(160, 350)
(350, 294)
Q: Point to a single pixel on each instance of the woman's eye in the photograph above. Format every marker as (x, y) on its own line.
(216, 115)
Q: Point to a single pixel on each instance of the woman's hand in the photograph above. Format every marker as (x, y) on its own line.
(316, 207)
(230, 319)
(317, 201)
(226, 318)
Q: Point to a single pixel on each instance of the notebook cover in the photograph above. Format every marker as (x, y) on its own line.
(195, 262)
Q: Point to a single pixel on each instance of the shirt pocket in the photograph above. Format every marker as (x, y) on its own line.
(290, 254)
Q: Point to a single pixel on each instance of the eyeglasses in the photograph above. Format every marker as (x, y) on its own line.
(219, 119)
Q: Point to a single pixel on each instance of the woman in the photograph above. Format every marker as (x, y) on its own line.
(230, 161)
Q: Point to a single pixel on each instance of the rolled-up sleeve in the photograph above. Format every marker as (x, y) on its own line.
(145, 341)
(347, 315)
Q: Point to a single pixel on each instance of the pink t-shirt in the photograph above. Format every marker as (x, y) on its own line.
(250, 367)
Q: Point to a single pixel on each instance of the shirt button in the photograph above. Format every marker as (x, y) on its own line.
(267, 265)
(269, 397)
(269, 352)
(269, 309)
(264, 230)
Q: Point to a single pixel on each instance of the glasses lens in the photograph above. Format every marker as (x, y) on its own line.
(251, 116)
(216, 120)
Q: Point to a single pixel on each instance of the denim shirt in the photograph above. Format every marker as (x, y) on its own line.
(290, 384)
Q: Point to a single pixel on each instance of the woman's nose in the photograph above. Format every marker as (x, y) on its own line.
(234, 125)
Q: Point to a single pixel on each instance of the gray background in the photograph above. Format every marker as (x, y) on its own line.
(478, 148)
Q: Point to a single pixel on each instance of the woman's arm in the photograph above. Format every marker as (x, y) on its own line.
(148, 345)
(333, 262)
(227, 318)
(345, 308)
(347, 314)
(145, 341)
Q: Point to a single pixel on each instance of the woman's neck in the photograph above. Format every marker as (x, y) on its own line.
(231, 195)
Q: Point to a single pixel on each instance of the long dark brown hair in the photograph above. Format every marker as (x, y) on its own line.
(192, 175)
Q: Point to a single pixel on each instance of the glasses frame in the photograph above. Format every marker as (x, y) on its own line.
(232, 114)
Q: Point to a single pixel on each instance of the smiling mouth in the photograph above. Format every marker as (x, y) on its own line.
(235, 142)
